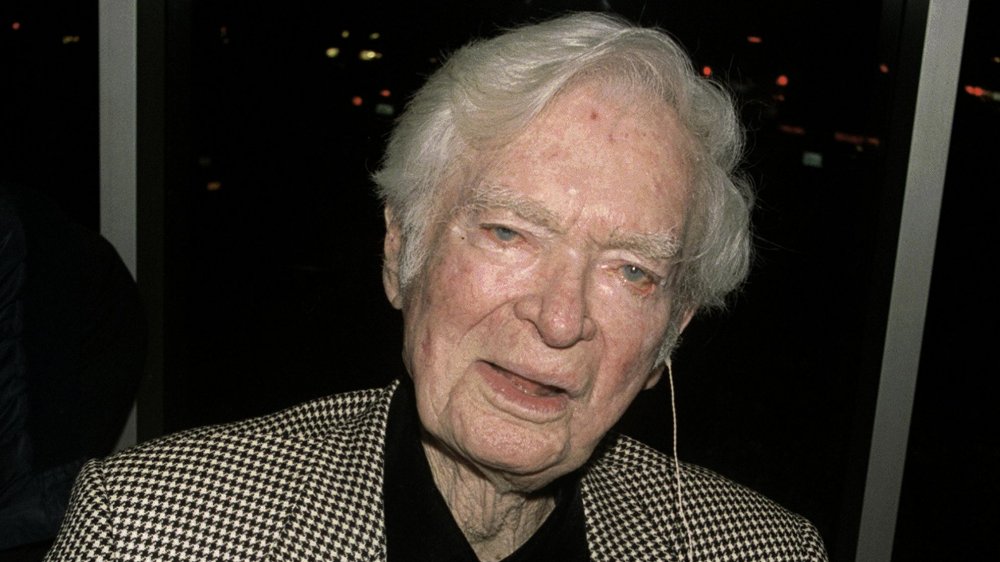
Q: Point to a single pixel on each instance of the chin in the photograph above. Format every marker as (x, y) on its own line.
(525, 460)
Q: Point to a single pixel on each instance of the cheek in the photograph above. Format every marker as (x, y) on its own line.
(459, 293)
(631, 346)
(449, 291)
(468, 286)
(632, 370)
(634, 333)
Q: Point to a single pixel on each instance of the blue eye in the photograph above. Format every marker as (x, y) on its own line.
(634, 274)
(503, 233)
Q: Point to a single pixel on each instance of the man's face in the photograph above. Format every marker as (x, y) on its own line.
(540, 312)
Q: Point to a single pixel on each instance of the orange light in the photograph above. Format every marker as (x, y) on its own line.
(848, 138)
(15, 26)
(754, 39)
(782, 80)
(385, 93)
(883, 68)
(975, 90)
(356, 101)
(213, 186)
(706, 70)
(792, 129)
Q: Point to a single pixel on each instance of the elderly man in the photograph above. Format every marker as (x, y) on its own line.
(559, 201)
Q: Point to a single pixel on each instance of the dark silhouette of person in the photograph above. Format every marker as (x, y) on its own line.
(72, 348)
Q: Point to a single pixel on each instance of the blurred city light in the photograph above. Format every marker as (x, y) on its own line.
(706, 70)
(782, 80)
(855, 139)
(385, 93)
(883, 68)
(754, 39)
(356, 101)
(374, 35)
(792, 129)
(67, 39)
(812, 159)
(974, 90)
(982, 93)
(332, 52)
(213, 186)
(345, 34)
(368, 54)
(15, 26)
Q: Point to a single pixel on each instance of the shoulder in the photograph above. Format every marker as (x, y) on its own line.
(275, 439)
(316, 419)
(241, 487)
(630, 485)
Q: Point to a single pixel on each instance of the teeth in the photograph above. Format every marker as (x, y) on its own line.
(530, 387)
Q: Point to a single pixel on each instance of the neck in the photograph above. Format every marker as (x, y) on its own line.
(495, 519)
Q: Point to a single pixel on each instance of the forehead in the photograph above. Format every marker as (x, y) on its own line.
(594, 151)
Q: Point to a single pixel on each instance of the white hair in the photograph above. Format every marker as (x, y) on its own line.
(488, 91)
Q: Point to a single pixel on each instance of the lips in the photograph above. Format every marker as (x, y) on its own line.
(524, 395)
(529, 386)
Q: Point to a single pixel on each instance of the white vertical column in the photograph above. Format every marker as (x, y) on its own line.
(117, 23)
(938, 85)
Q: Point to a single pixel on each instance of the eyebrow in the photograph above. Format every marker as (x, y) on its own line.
(659, 246)
(491, 197)
(655, 246)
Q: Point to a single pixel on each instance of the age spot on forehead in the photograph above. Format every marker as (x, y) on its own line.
(553, 153)
(621, 135)
(594, 115)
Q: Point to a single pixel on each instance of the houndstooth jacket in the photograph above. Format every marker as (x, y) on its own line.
(306, 484)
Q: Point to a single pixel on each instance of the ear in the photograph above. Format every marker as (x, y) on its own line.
(390, 260)
(657, 372)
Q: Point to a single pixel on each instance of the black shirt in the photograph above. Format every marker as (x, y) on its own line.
(418, 523)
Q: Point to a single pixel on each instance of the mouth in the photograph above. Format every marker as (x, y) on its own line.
(523, 395)
(526, 385)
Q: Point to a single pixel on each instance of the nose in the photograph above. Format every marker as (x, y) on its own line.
(557, 305)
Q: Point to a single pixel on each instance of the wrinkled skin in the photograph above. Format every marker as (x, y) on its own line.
(538, 318)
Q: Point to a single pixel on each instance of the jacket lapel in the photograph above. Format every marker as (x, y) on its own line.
(339, 512)
(624, 520)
